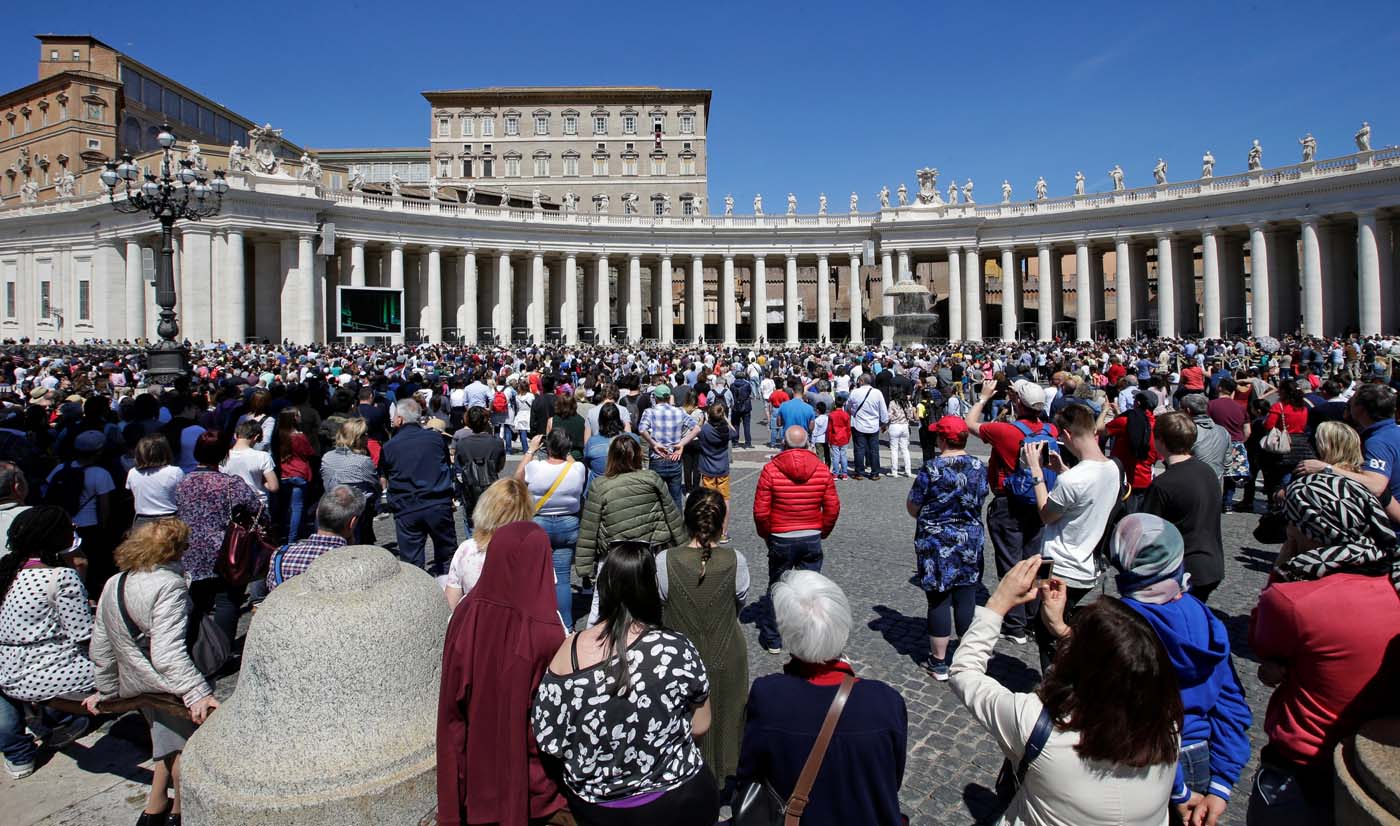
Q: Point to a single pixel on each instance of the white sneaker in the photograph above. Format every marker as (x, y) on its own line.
(18, 771)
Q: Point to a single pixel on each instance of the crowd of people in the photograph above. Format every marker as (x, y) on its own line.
(596, 670)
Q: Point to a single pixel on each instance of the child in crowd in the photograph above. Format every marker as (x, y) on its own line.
(838, 435)
(819, 433)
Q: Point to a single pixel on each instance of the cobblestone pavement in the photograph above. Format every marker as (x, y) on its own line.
(952, 761)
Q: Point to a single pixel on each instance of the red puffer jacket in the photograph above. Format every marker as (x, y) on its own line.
(796, 492)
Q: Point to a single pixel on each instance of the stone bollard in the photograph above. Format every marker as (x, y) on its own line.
(334, 720)
(1368, 775)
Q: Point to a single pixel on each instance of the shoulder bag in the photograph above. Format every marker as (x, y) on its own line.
(1277, 441)
(759, 805)
(539, 503)
(244, 554)
(1011, 778)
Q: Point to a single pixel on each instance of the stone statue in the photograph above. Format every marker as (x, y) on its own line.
(699, 204)
(1363, 137)
(434, 186)
(1207, 165)
(603, 202)
(629, 203)
(1116, 173)
(758, 204)
(666, 204)
(395, 185)
(263, 142)
(505, 197)
(791, 204)
(535, 196)
(192, 154)
(357, 180)
(1159, 172)
(238, 162)
(1005, 191)
(967, 192)
(570, 202)
(855, 203)
(1256, 156)
(953, 192)
(1079, 182)
(821, 204)
(29, 192)
(928, 186)
(1309, 144)
(884, 197)
(903, 195)
(65, 185)
(312, 171)
(728, 205)
(1042, 189)
(471, 193)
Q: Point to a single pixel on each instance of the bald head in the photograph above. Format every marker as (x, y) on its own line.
(795, 436)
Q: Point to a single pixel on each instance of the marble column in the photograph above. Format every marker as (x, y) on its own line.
(1210, 283)
(1259, 280)
(1045, 289)
(467, 294)
(1098, 290)
(823, 298)
(697, 304)
(887, 277)
(1166, 287)
(730, 316)
(1231, 257)
(1123, 290)
(135, 292)
(396, 268)
(432, 325)
(1312, 278)
(267, 280)
(972, 292)
(1368, 273)
(1010, 292)
(758, 315)
(790, 314)
(235, 289)
(311, 287)
(955, 296)
(501, 313)
(857, 304)
(663, 314)
(634, 298)
(602, 301)
(568, 310)
(1083, 301)
(196, 283)
(535, 318)
(288, 314)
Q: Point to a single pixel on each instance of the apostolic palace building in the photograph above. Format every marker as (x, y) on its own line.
(582, 214)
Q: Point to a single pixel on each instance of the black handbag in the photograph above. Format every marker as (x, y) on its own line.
(759, 805)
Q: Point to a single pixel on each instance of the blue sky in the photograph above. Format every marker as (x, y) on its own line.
(808, 97)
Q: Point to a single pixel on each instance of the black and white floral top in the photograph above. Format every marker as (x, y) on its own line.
(619, 746)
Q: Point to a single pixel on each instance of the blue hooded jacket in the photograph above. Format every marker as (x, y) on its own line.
(1211, 694)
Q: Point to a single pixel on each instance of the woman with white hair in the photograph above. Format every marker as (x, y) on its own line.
(863, 767)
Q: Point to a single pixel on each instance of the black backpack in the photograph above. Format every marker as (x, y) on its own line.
(743, 395)
(66, 489)
(475, 475)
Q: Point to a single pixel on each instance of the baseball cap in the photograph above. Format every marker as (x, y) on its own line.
(89, 441)
(948, 427)
(1148, 398)
(661, 391)
(1032, 395)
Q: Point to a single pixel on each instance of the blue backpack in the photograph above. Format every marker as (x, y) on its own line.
(1020, 485)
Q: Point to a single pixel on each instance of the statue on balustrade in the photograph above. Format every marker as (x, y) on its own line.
(471, 192)
(629, 203)
(791, 204)
(29, 192)
(728, 205)
(928, 187)
(699, 204)
(264, 141)
(312, 171)
(570, 202)
(821, 204)
(602, 201)
(855, 202)
(953, 192)
(666, 204)
(884, 197)
(1116, 173)
(505, 197)
(395, 184)
(1006, 190)
(357, 181)
(967, 192)
(1256, 156)
(1309, 144)
(1207, 165)
(65, 185)
(193, 155)
(1159, 172)
(1363, 137)
(237, 160)
(758, 204)
(434, 187)
(903, 195)
(1042, 189)
(536, 199)
(1079, 182)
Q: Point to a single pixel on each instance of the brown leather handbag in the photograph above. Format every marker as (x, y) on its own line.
(245, 554)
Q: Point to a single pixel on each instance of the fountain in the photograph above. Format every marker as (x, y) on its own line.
(913, 319)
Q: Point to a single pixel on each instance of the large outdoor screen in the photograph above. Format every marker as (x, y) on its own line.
(370, 311)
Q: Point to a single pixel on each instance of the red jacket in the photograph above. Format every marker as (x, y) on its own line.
(796, 492)
(838, 428)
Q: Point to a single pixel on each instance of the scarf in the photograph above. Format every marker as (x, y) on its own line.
(830, 673)
(1349, 525)
(1148, 553)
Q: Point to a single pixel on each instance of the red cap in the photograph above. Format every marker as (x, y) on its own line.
(949, 427)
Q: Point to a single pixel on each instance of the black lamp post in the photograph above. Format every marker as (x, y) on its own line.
(180, 193)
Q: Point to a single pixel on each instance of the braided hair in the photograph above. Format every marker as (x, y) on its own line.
(704, 519)
(43, 533)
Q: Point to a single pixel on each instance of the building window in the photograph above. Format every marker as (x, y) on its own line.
(444, 167)
(77, 55)
(542, 167)
(629, 124)
(600, 167)
(45, 310)
(658, 123)
(687, 124)
(687, 206)
(658, 164)
(10, 299)
(512, 124)
(687, 166)
(600, 124)
(53, 54)
(466, 126)
(444, 128)
(84, 300)
(94, 143)
(466, 167)
(570, 167)
(571, 124)
(487, 168)
(541, 124)
(658, 207)
(629, 166)
(512, 167)
(488, 126)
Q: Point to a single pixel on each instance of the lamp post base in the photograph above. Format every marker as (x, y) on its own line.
(166, 361)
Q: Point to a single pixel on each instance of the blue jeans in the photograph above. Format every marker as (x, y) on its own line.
(524, 440)
(867, 447)
(15, 742)
(293, 495)
(563, 538)
(670, 473)
(785, 553)
(741, 421)
(1195, 764)
(775, 432)
(839, 465)
(412, 530)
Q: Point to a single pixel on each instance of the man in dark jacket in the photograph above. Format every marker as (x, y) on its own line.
(794, 508)
(742, 410)
(416, 473)
(480, 458)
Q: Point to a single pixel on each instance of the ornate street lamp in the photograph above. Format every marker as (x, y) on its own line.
(182, 192)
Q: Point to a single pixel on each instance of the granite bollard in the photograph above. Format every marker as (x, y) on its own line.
(334, 717)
